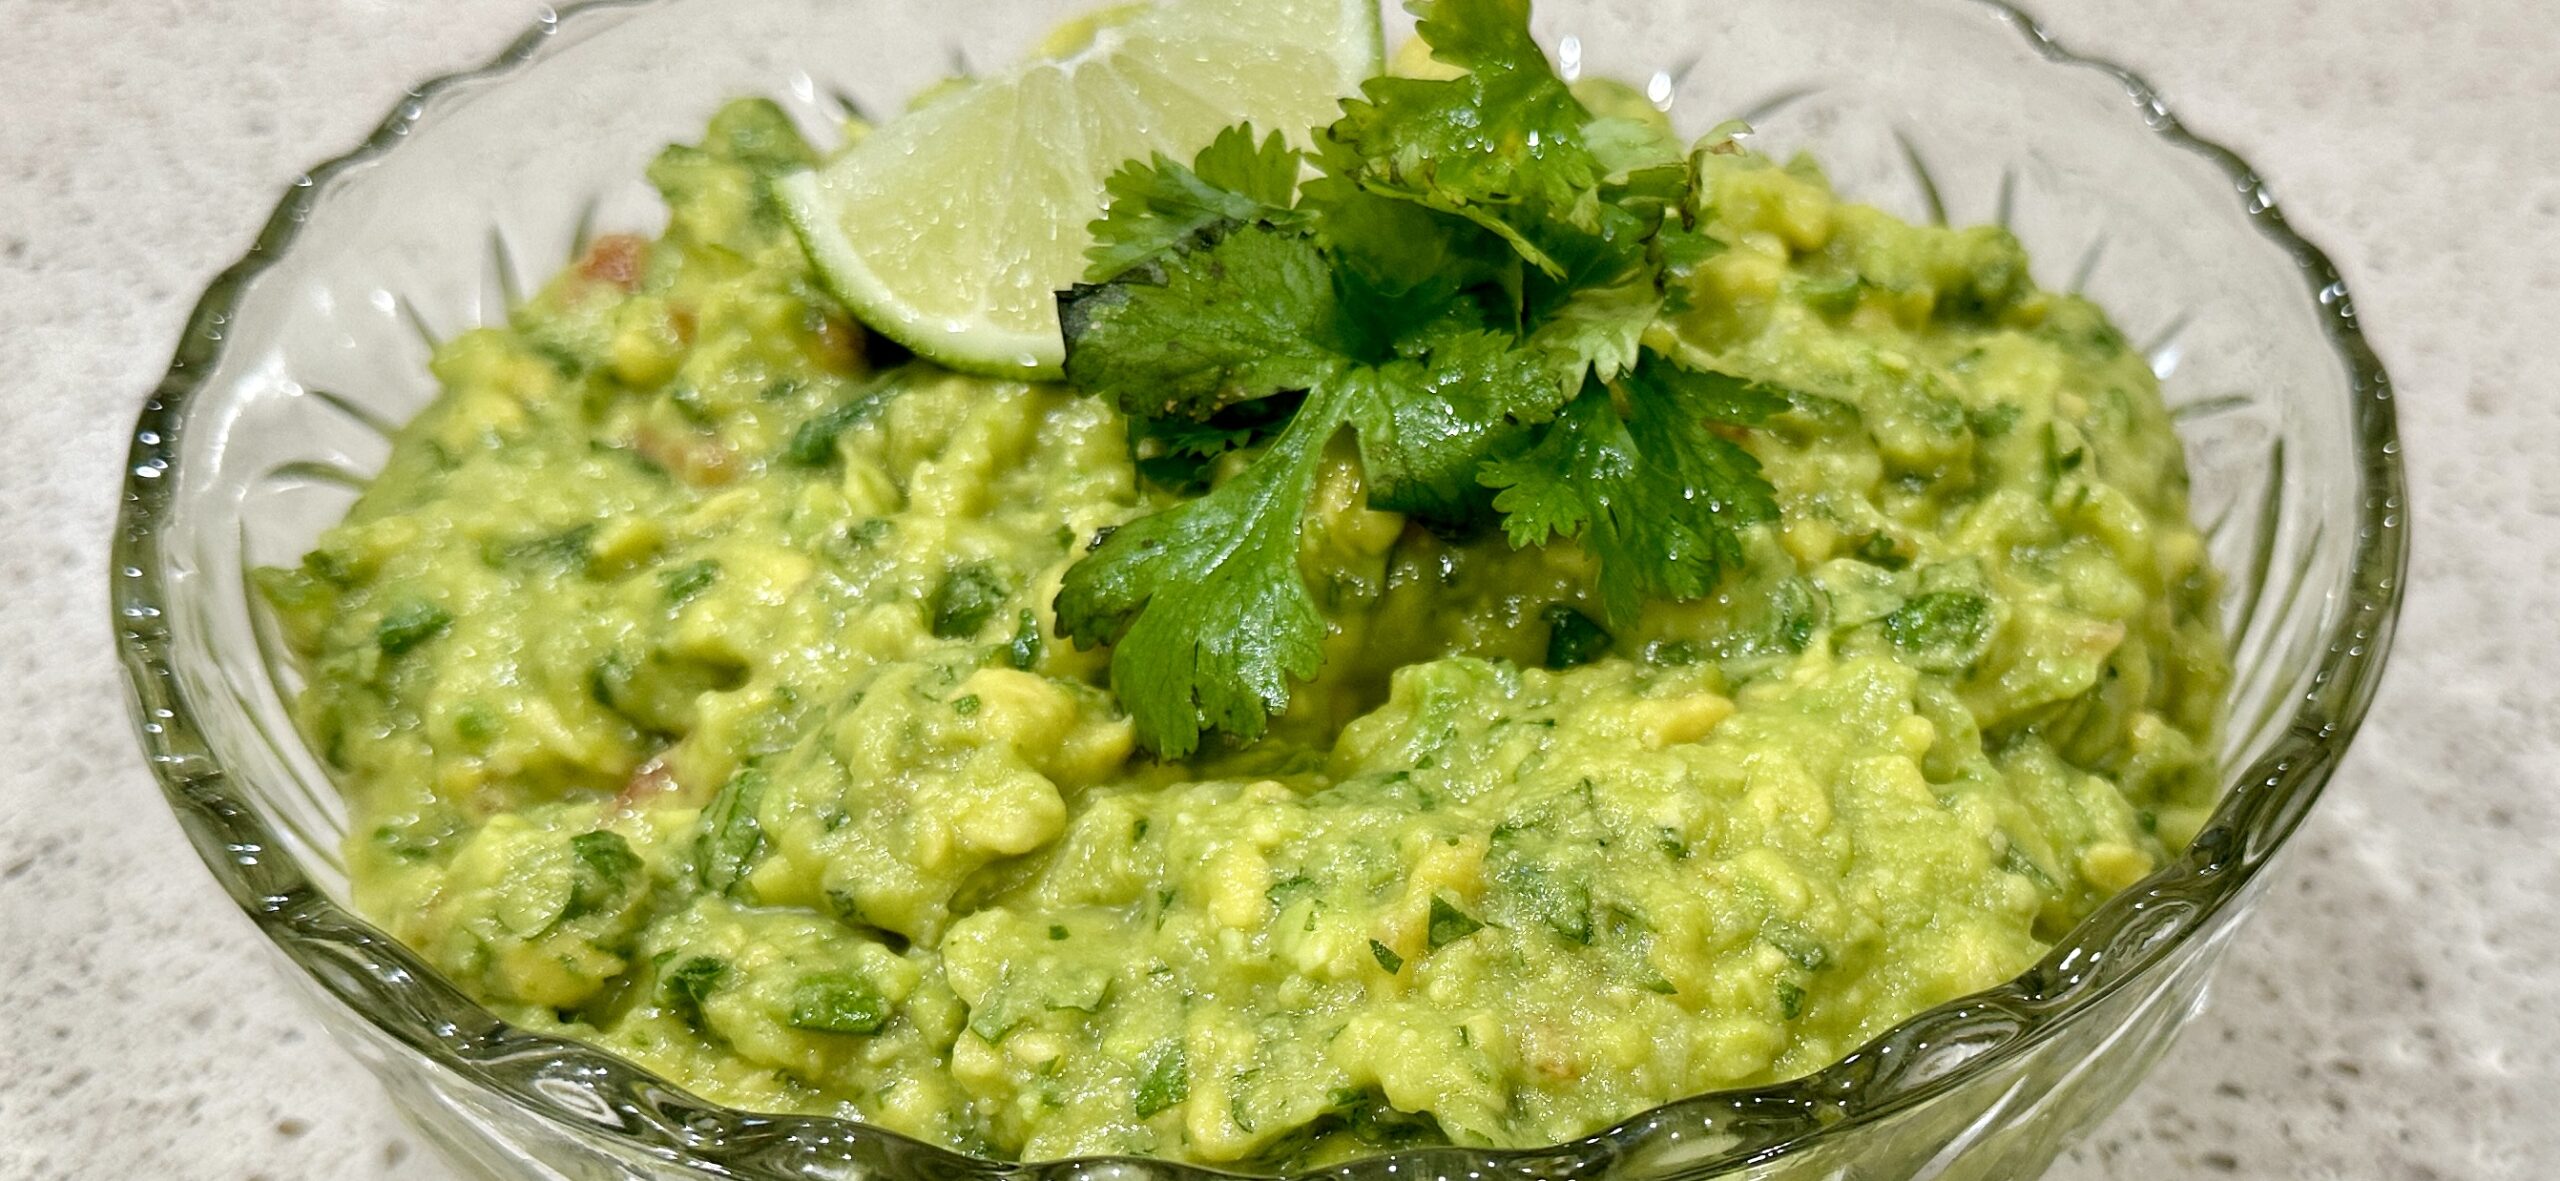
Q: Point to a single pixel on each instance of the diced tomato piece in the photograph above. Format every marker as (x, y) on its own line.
(835, 342)
(648, 781)
(700, 460)
(617, 259)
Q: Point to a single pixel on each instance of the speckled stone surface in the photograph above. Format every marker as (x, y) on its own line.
(2393, 1013)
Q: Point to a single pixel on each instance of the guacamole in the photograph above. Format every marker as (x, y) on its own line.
(693, 674)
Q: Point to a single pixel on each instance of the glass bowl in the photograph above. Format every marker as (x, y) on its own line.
(300, 358)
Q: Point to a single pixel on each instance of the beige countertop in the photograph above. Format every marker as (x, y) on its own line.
(2394, 1011)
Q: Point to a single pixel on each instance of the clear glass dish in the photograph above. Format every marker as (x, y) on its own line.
(300, 358)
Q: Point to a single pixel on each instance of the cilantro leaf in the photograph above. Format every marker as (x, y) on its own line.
(1202, 603)
(1594, 314)
(1264, 172)
(1243, 317)
(1679, 250)
(1508, 129)
(1506, 133)
(1178, 453)
(1410, 256)
(1427, 422)
(1638, 153)
(1465, 284)
(1600, 326)
(1600, 329)
(1158, 206)
(1654, 494)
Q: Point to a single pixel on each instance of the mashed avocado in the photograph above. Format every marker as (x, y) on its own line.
(692, 673)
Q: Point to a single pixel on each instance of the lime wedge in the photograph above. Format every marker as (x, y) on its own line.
(951, 229)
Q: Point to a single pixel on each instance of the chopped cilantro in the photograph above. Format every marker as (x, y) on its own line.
(1879, 550)
(731, 839)
(565, 550)
(1463, 288)
(1995, 421)
(1290, 889)
(838, 1002)
(410, 624)
(682, 583)
(813, 443)
(1450, 924)
(602, 876)
(688, 984)
(1797, 944)
(2015, 859)
(1941, 632)
(967, 599)
(1023, 650)
(1386, 957)
(1164, 1079)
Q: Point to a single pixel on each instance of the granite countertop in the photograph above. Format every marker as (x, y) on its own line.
(2392, 1013)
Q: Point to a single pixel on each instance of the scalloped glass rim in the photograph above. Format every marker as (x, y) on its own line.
(579, 1085)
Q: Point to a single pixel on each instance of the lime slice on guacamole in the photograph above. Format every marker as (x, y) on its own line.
(951, 229)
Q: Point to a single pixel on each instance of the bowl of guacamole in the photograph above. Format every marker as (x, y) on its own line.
(1262, 588)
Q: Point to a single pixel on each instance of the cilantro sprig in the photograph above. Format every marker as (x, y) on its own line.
(1463, 285)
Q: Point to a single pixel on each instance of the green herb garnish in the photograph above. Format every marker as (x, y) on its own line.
(1464, 289)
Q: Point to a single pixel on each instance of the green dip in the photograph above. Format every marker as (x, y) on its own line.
(692, 675)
